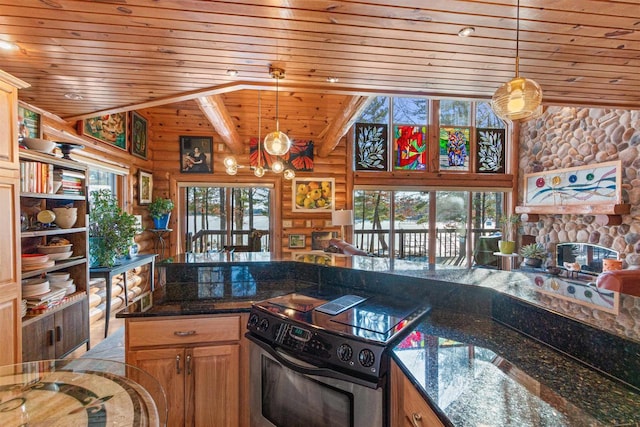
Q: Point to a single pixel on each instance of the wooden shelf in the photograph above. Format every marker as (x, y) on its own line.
(586, 209)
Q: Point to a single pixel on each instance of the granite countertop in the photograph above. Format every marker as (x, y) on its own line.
(477, 372)
(472, 369)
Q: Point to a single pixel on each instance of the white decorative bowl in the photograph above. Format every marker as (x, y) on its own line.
(58, 276)
(53, 249)
(65, 217)
(42, 145)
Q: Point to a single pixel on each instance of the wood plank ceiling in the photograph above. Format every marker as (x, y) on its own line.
(130, 54)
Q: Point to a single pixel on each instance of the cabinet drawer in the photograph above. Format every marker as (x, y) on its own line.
(183, 331)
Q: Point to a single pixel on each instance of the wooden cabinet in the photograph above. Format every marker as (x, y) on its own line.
(408, 408)
(10, 311)
(62, 326)
(197, 360)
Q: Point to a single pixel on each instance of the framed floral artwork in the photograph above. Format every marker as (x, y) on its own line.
(108, 128)
(313, 194)
(138, 135)
(145, 187)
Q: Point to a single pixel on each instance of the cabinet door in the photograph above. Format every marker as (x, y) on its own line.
(408, 408)
(212, 386)
(168, 367)
(71, 327)
(10, 321)
(38, 339)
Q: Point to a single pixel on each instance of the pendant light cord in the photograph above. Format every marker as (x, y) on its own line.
(259, 129)
(277, 103)
(518, 38)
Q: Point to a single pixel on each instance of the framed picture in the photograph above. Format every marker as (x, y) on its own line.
(109, 128)
(320, 239)
(297, 241)
(29, 123)
(145, 187)
(196, 154)
(314, 258)
(313, 194)
(138, 135)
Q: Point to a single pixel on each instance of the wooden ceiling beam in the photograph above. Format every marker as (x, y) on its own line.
(214, 109)
(342, 122)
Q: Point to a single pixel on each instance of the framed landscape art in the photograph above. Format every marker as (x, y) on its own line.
(108, 128)
(145, 187)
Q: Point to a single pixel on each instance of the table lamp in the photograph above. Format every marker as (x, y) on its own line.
(342, 218)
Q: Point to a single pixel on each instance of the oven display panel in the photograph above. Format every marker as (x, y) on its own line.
(299, 334)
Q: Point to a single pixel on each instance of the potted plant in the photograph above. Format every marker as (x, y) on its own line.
(160, 210)
(533, 254)
(111, 230)
(508, 242)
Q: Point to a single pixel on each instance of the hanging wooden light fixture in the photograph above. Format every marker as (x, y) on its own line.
(519, 98)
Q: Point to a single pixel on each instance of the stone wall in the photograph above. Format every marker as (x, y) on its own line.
(566, 137)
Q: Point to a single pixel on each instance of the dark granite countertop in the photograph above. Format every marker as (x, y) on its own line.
(477, 372)
(474, 370)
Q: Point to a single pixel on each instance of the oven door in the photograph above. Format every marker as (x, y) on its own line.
(287, 392)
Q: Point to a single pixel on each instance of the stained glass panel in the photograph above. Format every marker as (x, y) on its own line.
(371, 147)
(490, 156)
(410, 147)
(454, 148)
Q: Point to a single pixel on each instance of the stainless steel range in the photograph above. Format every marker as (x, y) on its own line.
(330, 348)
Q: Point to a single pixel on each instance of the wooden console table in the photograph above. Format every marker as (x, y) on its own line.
(108, 273)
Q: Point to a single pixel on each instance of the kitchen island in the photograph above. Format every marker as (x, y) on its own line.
(479, 357)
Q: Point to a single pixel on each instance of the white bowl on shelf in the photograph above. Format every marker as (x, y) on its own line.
(61, 284)
(54, 249)
(58, 256)
(58, 276)
(37, 144)
(65, 217)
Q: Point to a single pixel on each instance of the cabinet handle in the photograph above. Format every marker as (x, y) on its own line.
(188, 363)
(416, 419)
(58, 333)
(184, 333)
(52, 337)
(178, 365)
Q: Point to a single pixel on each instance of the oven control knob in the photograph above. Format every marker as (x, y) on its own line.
(366, 358)
(264, 325)
(345, 352)
(253, 320)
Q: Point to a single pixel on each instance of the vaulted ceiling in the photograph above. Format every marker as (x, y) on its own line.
(120, 55)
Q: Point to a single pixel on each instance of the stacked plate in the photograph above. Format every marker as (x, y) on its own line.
(62, 280)
(36, 261)
(56, 252)
(35, 286)
(23, 308)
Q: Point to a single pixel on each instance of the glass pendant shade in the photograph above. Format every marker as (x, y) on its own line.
(517, 99)
(277, 166)
(259, 171)
(230, 162)
(289, 174)
(277, 143)
(232, 170)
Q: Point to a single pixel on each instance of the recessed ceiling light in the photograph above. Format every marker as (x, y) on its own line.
(74, 96)
(332, 79)
(232, 73)
(5, 45)
(466, 31)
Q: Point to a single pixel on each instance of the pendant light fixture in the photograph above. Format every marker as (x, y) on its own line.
(519, 98)
(259, 170)
(277, 143)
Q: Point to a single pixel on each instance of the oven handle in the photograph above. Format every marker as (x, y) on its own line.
(320, 372)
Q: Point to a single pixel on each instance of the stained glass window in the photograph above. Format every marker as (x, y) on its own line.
(490, 151)
(371, 147)
(410, 147)
(454, 148)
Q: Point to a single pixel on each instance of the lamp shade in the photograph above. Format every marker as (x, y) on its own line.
(277, 143)
(342, 217)
(517, 99)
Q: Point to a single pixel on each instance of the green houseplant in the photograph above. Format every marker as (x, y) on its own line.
(508, 224)
(111, 230)
(160, 210)
(533, 254)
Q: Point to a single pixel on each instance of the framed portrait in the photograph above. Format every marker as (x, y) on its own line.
(297, 241)
(138, 135)
(108, 128)
(145, 187)
(313, 194)
(196, 154)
